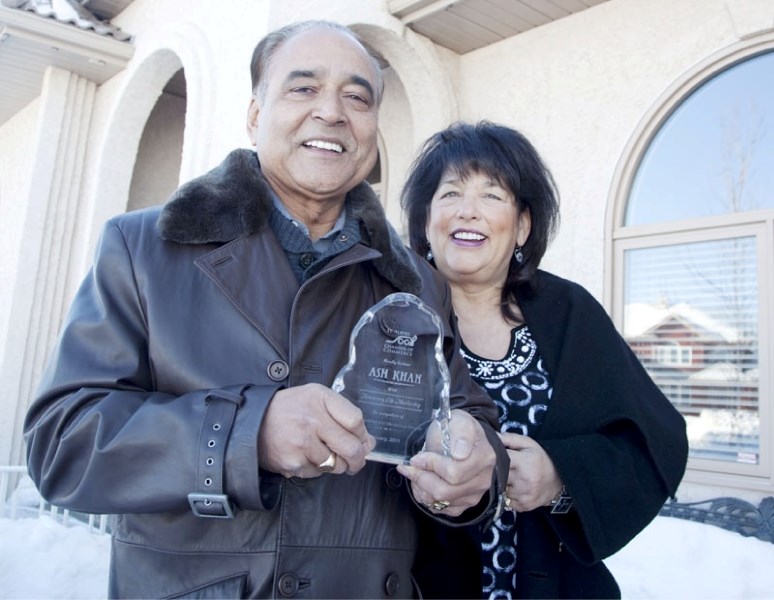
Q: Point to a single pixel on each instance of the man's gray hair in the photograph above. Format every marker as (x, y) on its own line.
(268, 46)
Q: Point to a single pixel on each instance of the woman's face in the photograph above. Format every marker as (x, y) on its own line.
(473, 228)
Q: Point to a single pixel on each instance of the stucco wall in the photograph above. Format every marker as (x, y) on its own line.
(214, 49)
(578, 89)
(17, 140)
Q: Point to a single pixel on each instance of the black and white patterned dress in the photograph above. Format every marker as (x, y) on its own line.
(521, 388)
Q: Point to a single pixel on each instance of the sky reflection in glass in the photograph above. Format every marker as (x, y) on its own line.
(715, 153)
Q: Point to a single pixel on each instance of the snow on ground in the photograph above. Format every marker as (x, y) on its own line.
(41, 558)
(674, 558)
(671, 559)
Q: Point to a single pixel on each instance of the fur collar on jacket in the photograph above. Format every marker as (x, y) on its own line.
(233, 200)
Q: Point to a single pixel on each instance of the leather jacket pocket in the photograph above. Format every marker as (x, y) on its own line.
(229, 587)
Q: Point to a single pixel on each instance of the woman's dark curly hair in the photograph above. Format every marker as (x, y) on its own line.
(507, 157)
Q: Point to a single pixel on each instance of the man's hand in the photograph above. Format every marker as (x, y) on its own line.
(460, 479)
(304, 424)
(532, 478)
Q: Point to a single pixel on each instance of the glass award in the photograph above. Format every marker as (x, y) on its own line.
(398, 377)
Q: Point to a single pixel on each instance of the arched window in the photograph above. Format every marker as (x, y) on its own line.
(693, 255)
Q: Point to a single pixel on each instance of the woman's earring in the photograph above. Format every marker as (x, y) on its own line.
(518, 255)
(429, 255)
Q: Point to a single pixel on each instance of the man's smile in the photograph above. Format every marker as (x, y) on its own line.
(323, 145)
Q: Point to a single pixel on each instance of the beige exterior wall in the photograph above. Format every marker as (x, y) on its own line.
(579, 88)
(17, 138)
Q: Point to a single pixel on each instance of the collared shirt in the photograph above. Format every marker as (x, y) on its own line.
(323, 243)
(305, 256)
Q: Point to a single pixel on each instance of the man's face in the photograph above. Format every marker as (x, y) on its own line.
(314, 127)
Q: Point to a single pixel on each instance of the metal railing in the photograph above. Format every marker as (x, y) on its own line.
(14, 504)
(732, 514)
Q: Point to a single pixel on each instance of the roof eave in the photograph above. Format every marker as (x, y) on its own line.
(94, 47)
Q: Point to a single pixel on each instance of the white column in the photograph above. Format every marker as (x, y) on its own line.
(39, 289)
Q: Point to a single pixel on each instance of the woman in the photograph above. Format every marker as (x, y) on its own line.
(595, 447)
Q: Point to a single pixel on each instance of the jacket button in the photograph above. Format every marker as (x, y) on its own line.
(394, 479)
(278, 370)
(392, 585)
(288, 585)
(306, 260)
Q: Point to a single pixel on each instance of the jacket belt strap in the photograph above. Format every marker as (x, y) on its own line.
(210, 500)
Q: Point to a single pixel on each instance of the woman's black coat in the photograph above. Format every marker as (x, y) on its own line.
(619, 445)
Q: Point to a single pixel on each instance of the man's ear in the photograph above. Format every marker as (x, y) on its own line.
(252, 120)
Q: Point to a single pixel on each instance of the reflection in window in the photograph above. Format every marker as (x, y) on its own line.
(691, 316)
(674, 355)
(715, 152)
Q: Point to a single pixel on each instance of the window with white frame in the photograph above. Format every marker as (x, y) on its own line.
(693, 249)
(674, 354)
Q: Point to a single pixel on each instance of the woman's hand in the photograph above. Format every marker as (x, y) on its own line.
(532, 478)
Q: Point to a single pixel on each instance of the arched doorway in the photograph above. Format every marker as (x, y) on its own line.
(157, 166)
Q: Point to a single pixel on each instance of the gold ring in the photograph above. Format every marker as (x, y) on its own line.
(329, 464)
(439, 504)
(508, 505)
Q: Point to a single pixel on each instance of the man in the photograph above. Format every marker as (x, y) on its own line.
(189, 392)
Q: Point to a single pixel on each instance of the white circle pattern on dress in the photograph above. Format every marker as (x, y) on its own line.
(520, 387)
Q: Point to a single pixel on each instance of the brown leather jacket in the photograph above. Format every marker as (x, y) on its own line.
(189, 317)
